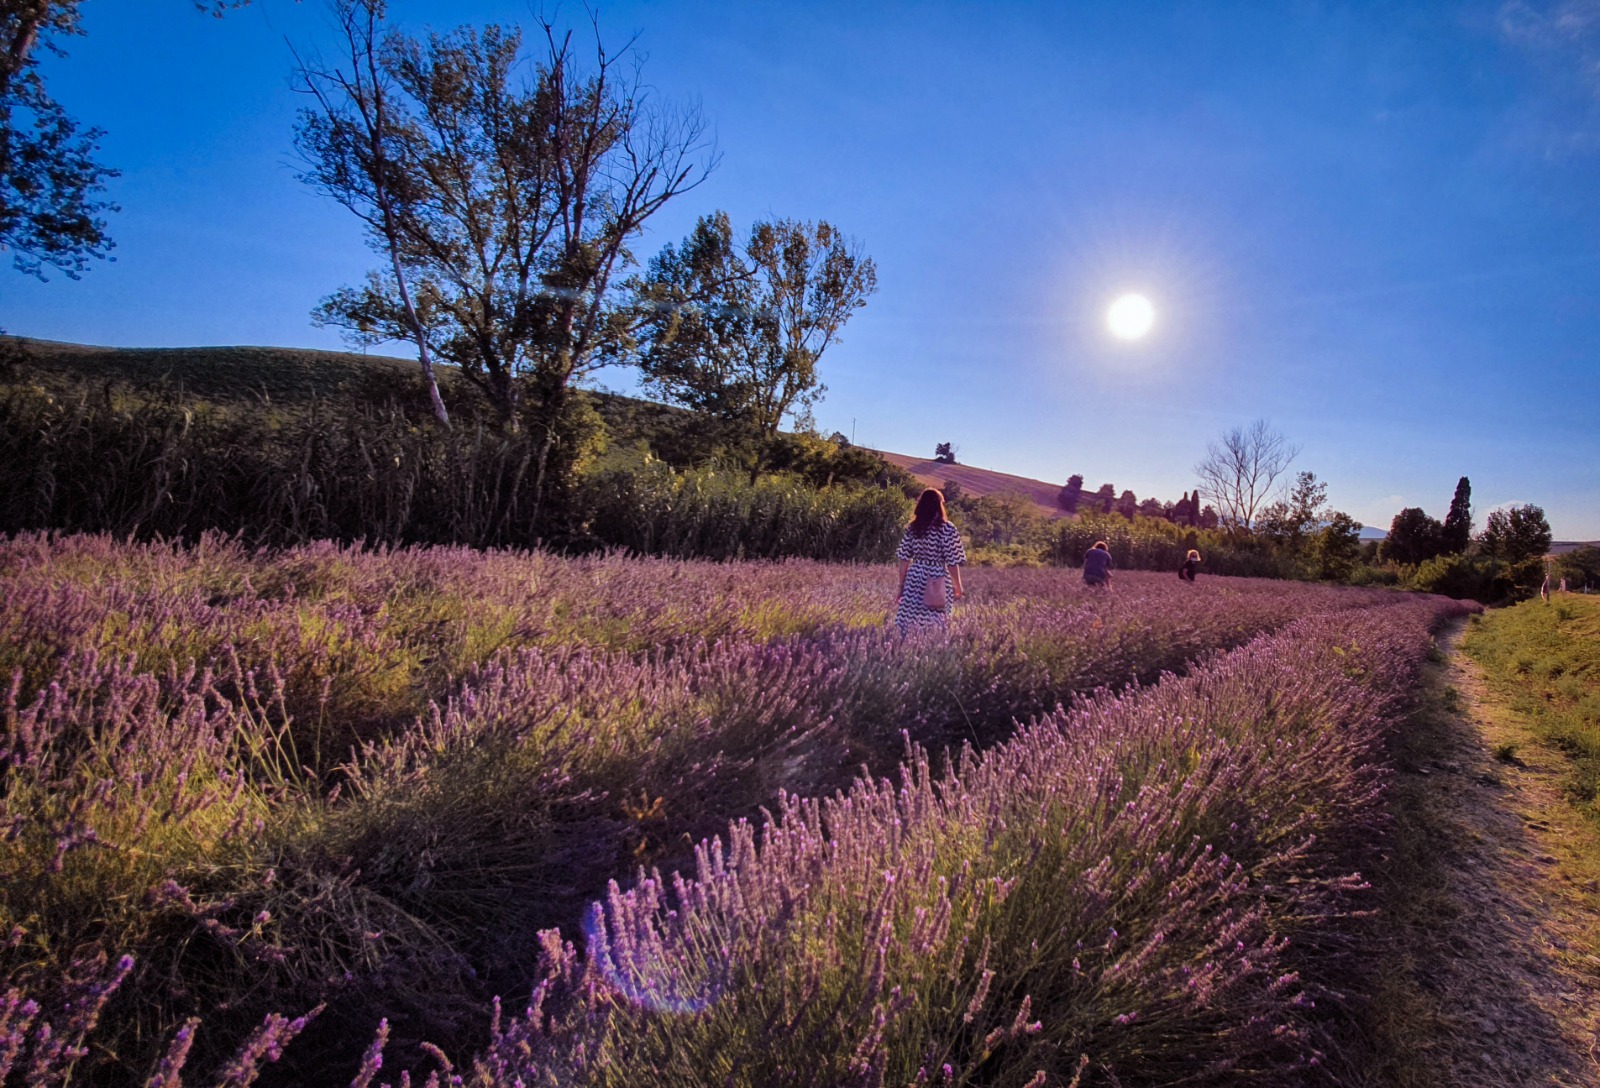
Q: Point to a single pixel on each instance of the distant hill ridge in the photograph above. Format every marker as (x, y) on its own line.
(213, 373)
(979, 482)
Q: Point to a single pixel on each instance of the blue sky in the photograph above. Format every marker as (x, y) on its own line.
(1376, 225)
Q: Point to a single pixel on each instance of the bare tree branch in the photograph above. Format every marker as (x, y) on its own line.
(1239, 471)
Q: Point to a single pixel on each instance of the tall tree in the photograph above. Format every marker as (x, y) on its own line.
(353, 154)
(1414, 537)
(519, 183)
(944, 453)
(1457, 531)
(1239, 470)
(1336, 547)
(737, 332)
(1288, 521)
(1516, 534)
(1105, 498)
(1127, 504)
(51, 207)
(1070, 494)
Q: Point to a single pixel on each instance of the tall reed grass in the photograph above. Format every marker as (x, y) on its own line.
(158, 465)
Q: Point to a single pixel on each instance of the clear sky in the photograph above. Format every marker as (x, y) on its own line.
(1375, 224)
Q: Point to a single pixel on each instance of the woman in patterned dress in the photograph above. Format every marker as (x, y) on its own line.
(930, 548)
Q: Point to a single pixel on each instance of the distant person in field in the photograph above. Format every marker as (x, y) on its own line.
(1544, 587)
(1190, 563)
(930, 552)
(1097, 565)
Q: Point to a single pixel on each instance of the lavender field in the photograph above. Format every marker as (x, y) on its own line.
(333, 816)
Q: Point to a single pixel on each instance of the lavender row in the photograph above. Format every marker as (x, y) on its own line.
(1133, 891)
(157, 799)
(363, 641)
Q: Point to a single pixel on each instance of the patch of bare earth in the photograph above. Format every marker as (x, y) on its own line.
(1491, 924)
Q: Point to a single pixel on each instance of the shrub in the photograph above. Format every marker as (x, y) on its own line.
(1460, 576)
(1153, 544)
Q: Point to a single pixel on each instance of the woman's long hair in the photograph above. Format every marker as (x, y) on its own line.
(930, 512)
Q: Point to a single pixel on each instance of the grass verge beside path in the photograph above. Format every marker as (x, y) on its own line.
(1543, 659)
(1484, 952)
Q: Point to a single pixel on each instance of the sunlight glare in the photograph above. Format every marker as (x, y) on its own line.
(1130, 317)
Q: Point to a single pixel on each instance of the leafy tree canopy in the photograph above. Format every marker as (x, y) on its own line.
(1070, 494)
(736, 331)
(505, 188)
(1288, 520)
(1414, 537)
(51, 204)
(1516, 534)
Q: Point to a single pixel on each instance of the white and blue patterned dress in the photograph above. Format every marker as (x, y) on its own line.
(930, 554)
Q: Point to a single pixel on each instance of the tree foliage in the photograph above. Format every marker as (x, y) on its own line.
(51, 204)
(1239, 470)
(1311, 539)
(1414, 537)
(944, 453)
(1336, 547)
(1071, 493)
(517, 183)
(1581, 567)
(1516, 534)
(736, 332)
(1289, 520)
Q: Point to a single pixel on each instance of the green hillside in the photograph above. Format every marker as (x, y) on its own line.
(287, 378)
(221, 374)
(283, 445)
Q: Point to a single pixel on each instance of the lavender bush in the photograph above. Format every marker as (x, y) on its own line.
(280, 780)
(1129, 892)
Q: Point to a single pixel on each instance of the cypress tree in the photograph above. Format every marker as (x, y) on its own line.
(1458, 522)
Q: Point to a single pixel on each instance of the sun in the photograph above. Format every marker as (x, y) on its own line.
(1130, 317)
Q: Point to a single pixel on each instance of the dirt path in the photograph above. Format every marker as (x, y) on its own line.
(1494, 977)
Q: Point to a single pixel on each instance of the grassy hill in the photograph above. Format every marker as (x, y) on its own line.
(290, 377)
(979, 482)
(282, 446)
(286, 378)
(220, 374)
